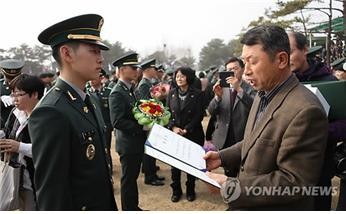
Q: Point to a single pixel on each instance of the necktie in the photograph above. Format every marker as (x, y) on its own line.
(233, 96)
(133, 92)
(88, 103)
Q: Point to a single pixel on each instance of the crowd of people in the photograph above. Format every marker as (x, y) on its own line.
(267, 129)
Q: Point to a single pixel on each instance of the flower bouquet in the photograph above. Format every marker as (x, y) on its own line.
(148, 112)
(160, 91)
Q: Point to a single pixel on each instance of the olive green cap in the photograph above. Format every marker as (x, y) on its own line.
(83, 28)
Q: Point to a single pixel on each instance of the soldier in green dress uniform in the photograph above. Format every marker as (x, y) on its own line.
(10, 68)
(101, 95)
(69, 149)
(143, 91)
(129, 135)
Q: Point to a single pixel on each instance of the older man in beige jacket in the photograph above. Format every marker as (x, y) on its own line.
(282, 152)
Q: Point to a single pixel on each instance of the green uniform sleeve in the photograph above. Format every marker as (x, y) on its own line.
(121, 114)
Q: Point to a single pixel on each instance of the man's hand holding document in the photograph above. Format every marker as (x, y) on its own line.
(178, 152)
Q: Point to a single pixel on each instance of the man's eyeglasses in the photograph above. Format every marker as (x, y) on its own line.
(17, 94)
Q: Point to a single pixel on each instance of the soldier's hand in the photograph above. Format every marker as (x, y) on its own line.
(178, 130)
(7, 100)
(212, 159)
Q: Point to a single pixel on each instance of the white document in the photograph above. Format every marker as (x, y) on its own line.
(177, 151)
(320, 97)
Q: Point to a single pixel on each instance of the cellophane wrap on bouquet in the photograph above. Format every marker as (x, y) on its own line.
(160, 91)
(148, 112)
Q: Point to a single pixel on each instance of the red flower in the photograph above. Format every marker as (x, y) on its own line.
(152, 105)
(143, 105)
(152, 111)
(158, 108)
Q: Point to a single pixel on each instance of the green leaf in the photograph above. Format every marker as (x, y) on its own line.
(144, 121)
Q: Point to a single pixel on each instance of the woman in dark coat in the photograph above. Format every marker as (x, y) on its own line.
(26, 92)
(186, 105)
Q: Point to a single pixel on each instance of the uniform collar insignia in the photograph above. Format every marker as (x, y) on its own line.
(71, 96)
(85, 109)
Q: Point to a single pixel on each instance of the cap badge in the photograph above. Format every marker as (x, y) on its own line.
(100, 24)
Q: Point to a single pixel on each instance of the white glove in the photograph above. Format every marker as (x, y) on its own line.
(7, 100)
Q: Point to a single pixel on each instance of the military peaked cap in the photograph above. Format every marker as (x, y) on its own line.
(338, 64)
(160, 68)
(84, 28)
(169, 71)
(46, 74)
(11, 67)
(130, 58)
(150, 63)
(314, 50)
(211, 68)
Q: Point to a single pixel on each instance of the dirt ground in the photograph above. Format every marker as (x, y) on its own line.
(157, 198)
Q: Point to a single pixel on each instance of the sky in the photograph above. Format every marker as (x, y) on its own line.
(141, 25)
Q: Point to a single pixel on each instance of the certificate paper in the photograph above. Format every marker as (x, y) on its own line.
(320, 97)
(177, 151)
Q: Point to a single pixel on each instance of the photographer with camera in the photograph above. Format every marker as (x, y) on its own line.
(231, 104)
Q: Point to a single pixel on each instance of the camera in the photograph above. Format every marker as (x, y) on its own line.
(223, 75)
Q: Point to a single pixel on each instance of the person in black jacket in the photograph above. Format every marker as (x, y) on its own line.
(26, 91)
(186, 105)
(310, 70)
(307, 69)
